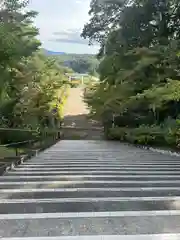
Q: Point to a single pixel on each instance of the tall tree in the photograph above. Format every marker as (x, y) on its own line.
(139, 71)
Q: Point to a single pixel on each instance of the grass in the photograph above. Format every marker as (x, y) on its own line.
(11, 152)
(7, 152)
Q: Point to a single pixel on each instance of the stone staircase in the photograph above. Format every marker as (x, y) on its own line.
(77, 124)
(80, 127)
(92, 190)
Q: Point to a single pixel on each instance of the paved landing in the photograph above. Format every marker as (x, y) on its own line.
(92, 190)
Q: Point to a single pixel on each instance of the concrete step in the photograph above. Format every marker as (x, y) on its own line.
(55, 205)
(84, 178)
(104, 168)
(105, 237)
(42, 172)
(89, 223)
(87, 184)
(102, 163)
(43, 193)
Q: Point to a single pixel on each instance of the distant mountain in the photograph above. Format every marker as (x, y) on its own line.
(48, 52)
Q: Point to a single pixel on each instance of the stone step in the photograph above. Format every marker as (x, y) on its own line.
(32, 172)
(104, 163)
(124, 178)
(101, 163)
(21, 206)
(102, 157)
(174, 236)
(87, 184)
(43, 193)
(105, 168)
(105, 156)
(90, 223)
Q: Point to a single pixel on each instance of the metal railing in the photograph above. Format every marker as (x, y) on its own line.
(16, 145)
(25, 149)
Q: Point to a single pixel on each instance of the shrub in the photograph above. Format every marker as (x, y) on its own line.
(147, 135)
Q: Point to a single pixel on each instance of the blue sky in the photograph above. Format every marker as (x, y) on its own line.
(60, 23)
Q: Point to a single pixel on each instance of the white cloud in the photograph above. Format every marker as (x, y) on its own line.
(69, 36)
(67, 17)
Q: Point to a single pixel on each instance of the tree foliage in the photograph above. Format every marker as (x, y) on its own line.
(139, 69)
(80, 63)
(31, 84)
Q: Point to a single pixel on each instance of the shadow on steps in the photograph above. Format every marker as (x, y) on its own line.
(81, 127)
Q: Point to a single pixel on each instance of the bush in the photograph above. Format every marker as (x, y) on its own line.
(117, 133)
(164, 135)
(8, 136)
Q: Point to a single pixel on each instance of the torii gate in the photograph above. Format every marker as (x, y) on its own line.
(77, 75)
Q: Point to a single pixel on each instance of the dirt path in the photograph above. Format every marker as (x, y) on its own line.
(75, 105)
(76, 116)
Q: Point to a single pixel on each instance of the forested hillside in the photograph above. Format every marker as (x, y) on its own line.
(32, 88)
(139, 69)
(80, 63)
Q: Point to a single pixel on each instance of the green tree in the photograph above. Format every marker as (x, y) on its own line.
(31, 83)
(139, 70)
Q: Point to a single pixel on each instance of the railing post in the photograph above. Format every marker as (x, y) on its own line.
(113, 123)
(16, 152)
